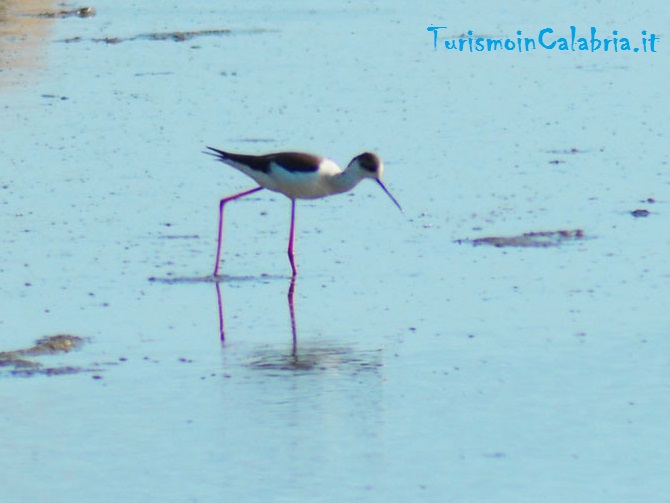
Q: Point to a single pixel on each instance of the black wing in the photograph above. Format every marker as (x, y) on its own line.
(291, 161)
(255, 162)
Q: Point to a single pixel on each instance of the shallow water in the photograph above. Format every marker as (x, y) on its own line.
(411, 364)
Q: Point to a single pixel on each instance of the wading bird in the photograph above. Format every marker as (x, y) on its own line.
(297, 175)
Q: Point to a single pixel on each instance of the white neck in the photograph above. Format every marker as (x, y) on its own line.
(347, 180)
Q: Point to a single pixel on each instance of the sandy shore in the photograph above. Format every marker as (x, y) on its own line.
(23, 34)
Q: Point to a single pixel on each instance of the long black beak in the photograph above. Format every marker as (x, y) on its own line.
(389, 194)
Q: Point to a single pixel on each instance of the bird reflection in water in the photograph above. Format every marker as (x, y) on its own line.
(291, 308)
(315, 357)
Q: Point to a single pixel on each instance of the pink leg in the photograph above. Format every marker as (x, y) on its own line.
(221, 205)
(291, 255)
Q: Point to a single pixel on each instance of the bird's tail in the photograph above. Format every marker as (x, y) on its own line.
(219, 154)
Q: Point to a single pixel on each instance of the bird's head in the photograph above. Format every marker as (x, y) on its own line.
(370, 165)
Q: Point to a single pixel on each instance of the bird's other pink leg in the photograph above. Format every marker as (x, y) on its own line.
(291, 255)
(222, 203)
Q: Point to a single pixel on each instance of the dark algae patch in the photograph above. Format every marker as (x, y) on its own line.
(53, 344)
(24, 362)
(542, 239)
(78, 12)
(174, 36)
(641, 212)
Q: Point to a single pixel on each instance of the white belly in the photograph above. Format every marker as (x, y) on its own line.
(301, 184)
